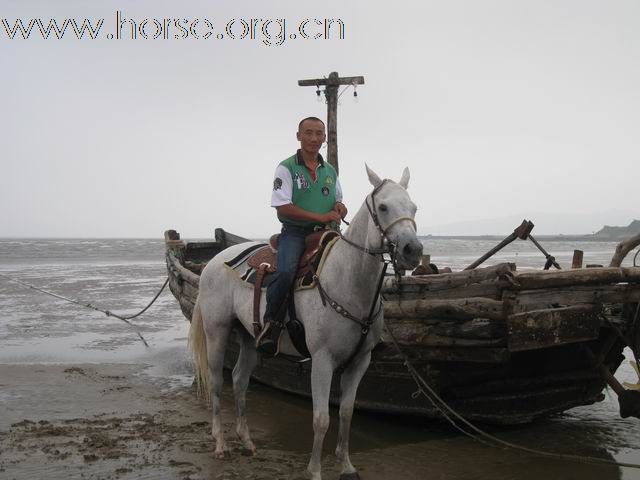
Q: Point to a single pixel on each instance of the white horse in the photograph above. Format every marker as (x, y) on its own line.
(349, 277)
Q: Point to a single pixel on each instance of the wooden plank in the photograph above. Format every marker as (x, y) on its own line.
(464, 308)
(578, 255)
(488, 289)
(358, 80)
(522, 301)
(185, 274)
(444, 281)
(583, 276)
(457, 354)
(475, 333)
(623, 249)
(556, 326)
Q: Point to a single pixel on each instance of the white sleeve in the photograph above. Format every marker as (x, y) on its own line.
(282, 187)
(338, 190)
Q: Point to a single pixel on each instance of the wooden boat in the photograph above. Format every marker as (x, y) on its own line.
(499, 346)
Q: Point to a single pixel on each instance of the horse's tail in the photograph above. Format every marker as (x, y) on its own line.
(198, 345)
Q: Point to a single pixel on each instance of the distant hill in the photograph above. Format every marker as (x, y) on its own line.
(546, 224)
(619, 233)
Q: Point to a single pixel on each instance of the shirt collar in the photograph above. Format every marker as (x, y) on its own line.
(300, 160)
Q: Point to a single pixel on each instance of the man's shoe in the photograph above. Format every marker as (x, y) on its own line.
(264, 343)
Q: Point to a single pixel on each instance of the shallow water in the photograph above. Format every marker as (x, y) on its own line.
(123, 275)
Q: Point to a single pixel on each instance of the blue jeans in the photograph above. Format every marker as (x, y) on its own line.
(290, 249)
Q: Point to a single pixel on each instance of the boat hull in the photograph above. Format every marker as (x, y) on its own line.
(518, 363)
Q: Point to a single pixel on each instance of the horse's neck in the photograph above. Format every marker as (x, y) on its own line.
(351, 271)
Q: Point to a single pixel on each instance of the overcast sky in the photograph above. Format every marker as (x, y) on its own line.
(498, 108)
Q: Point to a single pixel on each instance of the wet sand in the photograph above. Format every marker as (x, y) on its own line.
(112, 421)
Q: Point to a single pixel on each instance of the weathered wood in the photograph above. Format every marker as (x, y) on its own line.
(459, 354)
(479, 333)
(358, 80)
(606, 374)
(466, 308)
(332, 120)
(226, 239)
(332, 83)
(478, 328)
(185, 274)
(623, 248)
(190, 291)
(521, 232)
(564, 278)
(576, 262)
(445, 281)
(195, 267)
(544, 328)
(467, 359)
(172, 239)
(488, 289)
(516, 302)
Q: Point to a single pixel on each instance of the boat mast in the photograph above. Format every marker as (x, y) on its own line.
(331, 85)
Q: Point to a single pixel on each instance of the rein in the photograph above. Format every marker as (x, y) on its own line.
(365, 323)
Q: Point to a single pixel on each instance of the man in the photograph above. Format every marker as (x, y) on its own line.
(307, 196)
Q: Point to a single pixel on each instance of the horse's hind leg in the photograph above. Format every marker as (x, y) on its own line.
(321, 374)
(348, 386)
(216, 344)
(247, 360)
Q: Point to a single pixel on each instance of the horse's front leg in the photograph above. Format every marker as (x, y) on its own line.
(321, 374)
(348, 386)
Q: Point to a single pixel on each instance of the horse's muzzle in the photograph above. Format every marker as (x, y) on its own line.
(408, 256)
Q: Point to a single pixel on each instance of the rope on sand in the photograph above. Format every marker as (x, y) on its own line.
(108, 313)
(481, 436)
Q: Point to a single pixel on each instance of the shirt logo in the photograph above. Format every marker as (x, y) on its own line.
(301, 181)
(277, 184)
(325, 191)
(329, 180)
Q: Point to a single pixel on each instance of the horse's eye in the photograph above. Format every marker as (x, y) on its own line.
(383, 208)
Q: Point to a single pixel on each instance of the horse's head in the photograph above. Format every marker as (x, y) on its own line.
(393, 215)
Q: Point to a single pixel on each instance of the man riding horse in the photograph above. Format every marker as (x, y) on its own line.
(307, 196)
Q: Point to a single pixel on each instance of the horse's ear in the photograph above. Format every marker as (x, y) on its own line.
(373, 177)
(404, 181)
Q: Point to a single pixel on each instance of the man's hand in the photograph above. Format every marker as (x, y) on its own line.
(331, 216)
(340, 209)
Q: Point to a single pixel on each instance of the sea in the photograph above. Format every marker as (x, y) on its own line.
(123, 275)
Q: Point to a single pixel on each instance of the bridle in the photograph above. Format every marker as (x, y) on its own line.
(390, 248)
(386, 245)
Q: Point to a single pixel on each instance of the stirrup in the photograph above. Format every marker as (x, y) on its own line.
(264, 343)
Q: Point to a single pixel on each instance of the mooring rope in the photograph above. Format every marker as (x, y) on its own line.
(483, 437)
(108, 313)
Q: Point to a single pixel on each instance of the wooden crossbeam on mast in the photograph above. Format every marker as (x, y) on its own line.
(331, 84)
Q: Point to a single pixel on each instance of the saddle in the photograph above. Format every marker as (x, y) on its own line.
(264, 260)
(314, 245)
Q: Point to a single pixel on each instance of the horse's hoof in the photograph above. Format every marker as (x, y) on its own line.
(223, 455)
(350, 476)
(248, 452)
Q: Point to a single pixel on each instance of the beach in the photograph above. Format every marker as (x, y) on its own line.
(111, 421)
(82, 397)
